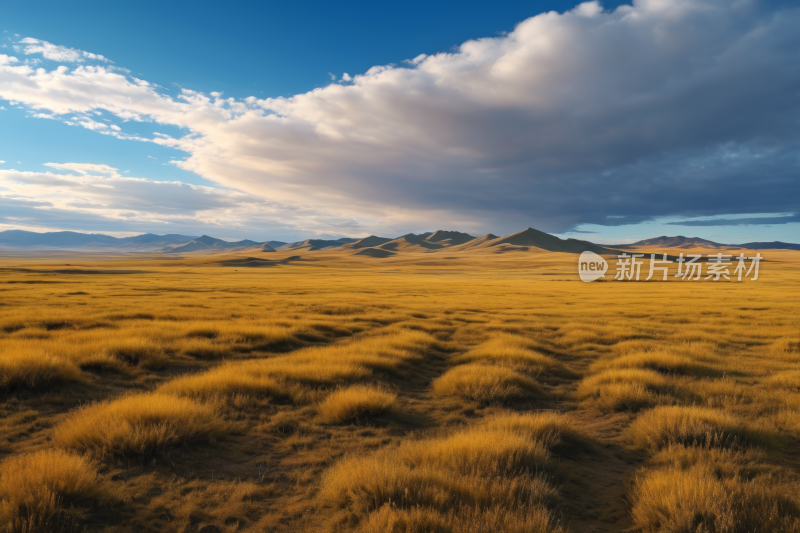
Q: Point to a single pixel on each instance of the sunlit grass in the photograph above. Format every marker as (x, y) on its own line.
(384, 395)
(490, 475)
(486, 383)
(663, 426)
(45, 490)
(359, 402)
(25, 365)
(139, 425)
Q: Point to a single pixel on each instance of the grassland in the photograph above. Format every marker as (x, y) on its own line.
(465, 392)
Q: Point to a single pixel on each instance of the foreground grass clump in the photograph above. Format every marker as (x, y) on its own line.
(486, 383)
(32, 369)
(487, 478)
(139, 425)
(706, 489)
(45, 491)
(356, 403)
(662, 426)
(628, 389)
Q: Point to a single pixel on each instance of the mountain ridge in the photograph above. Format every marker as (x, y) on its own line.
(373, 246)
(679, 241)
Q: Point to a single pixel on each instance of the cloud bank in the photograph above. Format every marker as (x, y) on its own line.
(663, 108)
(91, 197)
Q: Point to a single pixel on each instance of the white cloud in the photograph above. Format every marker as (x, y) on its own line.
(346, 77)
(1, 162)
(97, 197)
(660, 108)
(417, 60)
(58, 53)
(85, 168)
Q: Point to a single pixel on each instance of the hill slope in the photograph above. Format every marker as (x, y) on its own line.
(538, 239)
(206, 243)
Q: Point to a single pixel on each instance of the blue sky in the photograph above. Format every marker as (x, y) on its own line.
(602, 123)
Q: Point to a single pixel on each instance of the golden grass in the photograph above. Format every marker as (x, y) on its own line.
(486, 383)
(44, 491)
(627, 389)
(294, 376)
(139, 425)
(662, 426)
(709, 365)
(661, 361)
(358, 402)
(707, 489)
(506, 348)
(33, 369)
(789, 379)
(491, 474)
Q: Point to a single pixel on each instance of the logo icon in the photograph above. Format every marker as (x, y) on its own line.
(591, 266)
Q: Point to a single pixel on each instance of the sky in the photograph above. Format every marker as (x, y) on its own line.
(609, 122)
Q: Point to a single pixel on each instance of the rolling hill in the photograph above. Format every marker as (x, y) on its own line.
(206, 243)
(680, 241)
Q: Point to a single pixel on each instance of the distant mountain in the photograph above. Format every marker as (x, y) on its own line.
(315, 244)
(678, 242)
(532, 238)
(372, 246)
(425, 242)
(695, 242)
(367, 242)
(206, 243)
(774, 245)
(72, 240)
(450, 238)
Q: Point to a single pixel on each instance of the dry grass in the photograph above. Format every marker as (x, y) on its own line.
(28, 368)
(45, 491)
(662, 426)
(707, 489)
(295, 376)
(628, 389)
(490, 476)
(139, 425)
(486, 383)
(359, 402)
(514, 349)
(699, 378)
(663, 361)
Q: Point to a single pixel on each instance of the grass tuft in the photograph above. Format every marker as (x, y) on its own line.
(486, 383)
(710, 492)
(33, 369)
(139, 425)
(626, 389)
(489, 476)
(358, 402)
(662, 426)
(514, 349)
(45, 491)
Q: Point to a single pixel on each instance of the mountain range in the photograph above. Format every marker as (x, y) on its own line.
(372, 246)
(695, 242)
